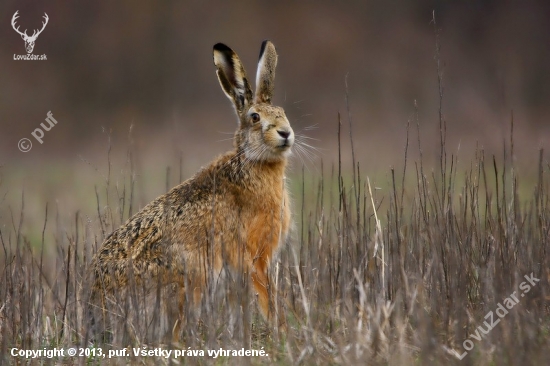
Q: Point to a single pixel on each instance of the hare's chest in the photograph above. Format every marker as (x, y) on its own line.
(267, 226)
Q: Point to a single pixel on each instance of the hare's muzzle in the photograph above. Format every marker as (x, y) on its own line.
(286, 138)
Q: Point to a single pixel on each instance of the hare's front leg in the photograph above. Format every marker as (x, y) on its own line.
(266, 294)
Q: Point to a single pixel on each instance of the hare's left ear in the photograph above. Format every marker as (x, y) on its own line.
(265, 76)
(232, 76)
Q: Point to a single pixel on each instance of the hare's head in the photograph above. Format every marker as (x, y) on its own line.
(264, 133)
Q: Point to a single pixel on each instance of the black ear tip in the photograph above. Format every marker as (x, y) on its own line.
(262, 49)
(220, 47)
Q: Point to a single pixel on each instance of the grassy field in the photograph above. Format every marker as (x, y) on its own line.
(442, 265)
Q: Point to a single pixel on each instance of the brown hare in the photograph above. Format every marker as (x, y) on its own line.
(235, 211)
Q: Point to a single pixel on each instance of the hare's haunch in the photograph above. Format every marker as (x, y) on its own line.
(234, 211)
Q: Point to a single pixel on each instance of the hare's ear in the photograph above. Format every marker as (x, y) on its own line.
(265, 76)
(232, 76)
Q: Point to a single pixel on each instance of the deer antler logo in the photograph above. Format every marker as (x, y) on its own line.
(29, 41)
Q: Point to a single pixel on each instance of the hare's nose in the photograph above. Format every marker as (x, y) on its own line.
(284, 134)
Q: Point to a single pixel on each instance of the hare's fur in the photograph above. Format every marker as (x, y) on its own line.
(235, 211)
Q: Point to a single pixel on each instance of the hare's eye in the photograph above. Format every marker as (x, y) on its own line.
(255, 117)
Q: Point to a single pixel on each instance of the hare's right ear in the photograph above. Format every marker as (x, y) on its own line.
(265, 76)
(232, 76)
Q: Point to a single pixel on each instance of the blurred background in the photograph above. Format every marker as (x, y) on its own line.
(138, 76)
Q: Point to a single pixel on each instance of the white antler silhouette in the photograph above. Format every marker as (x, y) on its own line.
(29, 41)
